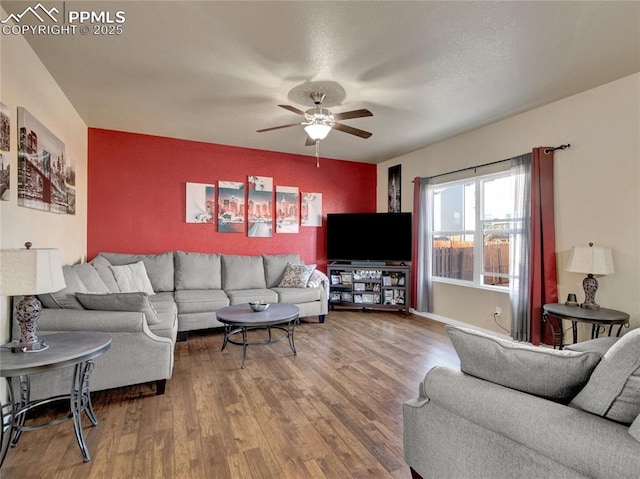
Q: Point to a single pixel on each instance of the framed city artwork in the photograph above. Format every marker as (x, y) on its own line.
(395, 173)
(46, 177)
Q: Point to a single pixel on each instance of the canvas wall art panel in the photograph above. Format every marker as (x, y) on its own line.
(260, 207)
(42, 167)
(200, 203)
(394, 189)
(287, 209)
(5, 128)
(70, 183)
(5, 145)
(230, 207)
(311, 209)
(5, 178)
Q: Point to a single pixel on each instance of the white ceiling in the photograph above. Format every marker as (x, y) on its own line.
(216, 71)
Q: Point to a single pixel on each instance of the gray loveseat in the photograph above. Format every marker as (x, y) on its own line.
(516, 411)
(180, 292)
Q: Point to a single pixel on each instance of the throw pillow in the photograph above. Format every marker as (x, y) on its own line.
(90, 278)
(274, 266)
(135, 302)
(315, 280)
(296, 275)
(103, 268)
(160, 268)
(65, 298)
(634, 429)
(132, 278)
(548, 373)
(613, 391)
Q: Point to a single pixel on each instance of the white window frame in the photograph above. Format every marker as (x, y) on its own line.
(478, 234)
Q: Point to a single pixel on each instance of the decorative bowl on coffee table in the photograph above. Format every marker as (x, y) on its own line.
(258, 306)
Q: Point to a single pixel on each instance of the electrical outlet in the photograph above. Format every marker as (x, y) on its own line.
(498, 311)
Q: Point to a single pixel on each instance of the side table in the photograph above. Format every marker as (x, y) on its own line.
(598, 318)
(65, 350)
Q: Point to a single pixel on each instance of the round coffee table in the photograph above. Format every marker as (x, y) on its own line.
(240, 318)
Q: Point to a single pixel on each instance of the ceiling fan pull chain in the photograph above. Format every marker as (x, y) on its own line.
(317, 153)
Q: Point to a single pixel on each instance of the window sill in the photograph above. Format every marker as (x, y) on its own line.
(467, 284)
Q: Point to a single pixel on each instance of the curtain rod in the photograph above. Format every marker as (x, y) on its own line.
(561, 147)
(546, 151)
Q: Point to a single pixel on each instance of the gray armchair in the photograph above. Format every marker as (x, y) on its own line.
(513, 419)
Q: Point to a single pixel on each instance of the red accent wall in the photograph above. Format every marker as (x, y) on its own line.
(137, 185)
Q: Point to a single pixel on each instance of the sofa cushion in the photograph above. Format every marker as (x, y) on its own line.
(65, 298)
(198, 271)
(297, 295)
(137, 302)
(240, 296)
(548, 373)
(242, 272)
(90, 278)
(159, 267)
(132, 278)
(296, 275)
(613, 390)
(274, 266)
(201, 300)
(165, 306)
(102, 267)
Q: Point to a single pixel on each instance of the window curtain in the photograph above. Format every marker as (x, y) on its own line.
(544, 281)
(422, 291)
(519, 261)
(533, 257)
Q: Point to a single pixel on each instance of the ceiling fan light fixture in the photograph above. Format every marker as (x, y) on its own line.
(317, 130)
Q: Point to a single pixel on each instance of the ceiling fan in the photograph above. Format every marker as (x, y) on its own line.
(318, 121)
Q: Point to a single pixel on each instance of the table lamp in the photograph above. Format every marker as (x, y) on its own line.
(591, 260)
(28, 272)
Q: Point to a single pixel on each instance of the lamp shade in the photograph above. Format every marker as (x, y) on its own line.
(590, 260)
(26, 272)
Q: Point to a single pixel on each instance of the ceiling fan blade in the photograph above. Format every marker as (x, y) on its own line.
(309, 142)
(292, 109)
(278, 127)
(352, 114)
(351, 130)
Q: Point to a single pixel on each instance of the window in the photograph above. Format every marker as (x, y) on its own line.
(472, 229)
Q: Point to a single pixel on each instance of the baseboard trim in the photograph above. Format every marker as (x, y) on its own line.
(453, 322)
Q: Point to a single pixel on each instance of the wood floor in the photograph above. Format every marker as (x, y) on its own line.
(333, 411)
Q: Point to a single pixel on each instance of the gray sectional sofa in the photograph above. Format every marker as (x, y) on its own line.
(516, 411)
(180, 292)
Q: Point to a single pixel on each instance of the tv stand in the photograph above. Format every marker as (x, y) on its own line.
(367, 264)
(370, 285)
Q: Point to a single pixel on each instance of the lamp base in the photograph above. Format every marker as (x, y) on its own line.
(590, 286)
(29, 347)
(27, 315)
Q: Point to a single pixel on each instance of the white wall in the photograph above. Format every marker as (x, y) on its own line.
(25, 82)
(597, 190)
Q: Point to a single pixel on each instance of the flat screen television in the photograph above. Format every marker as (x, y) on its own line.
(362, 237)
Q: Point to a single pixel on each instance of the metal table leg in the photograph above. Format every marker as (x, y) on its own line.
(8, 420)
(19, 410)
(290, 329)
(245, 344)
(79, 401)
